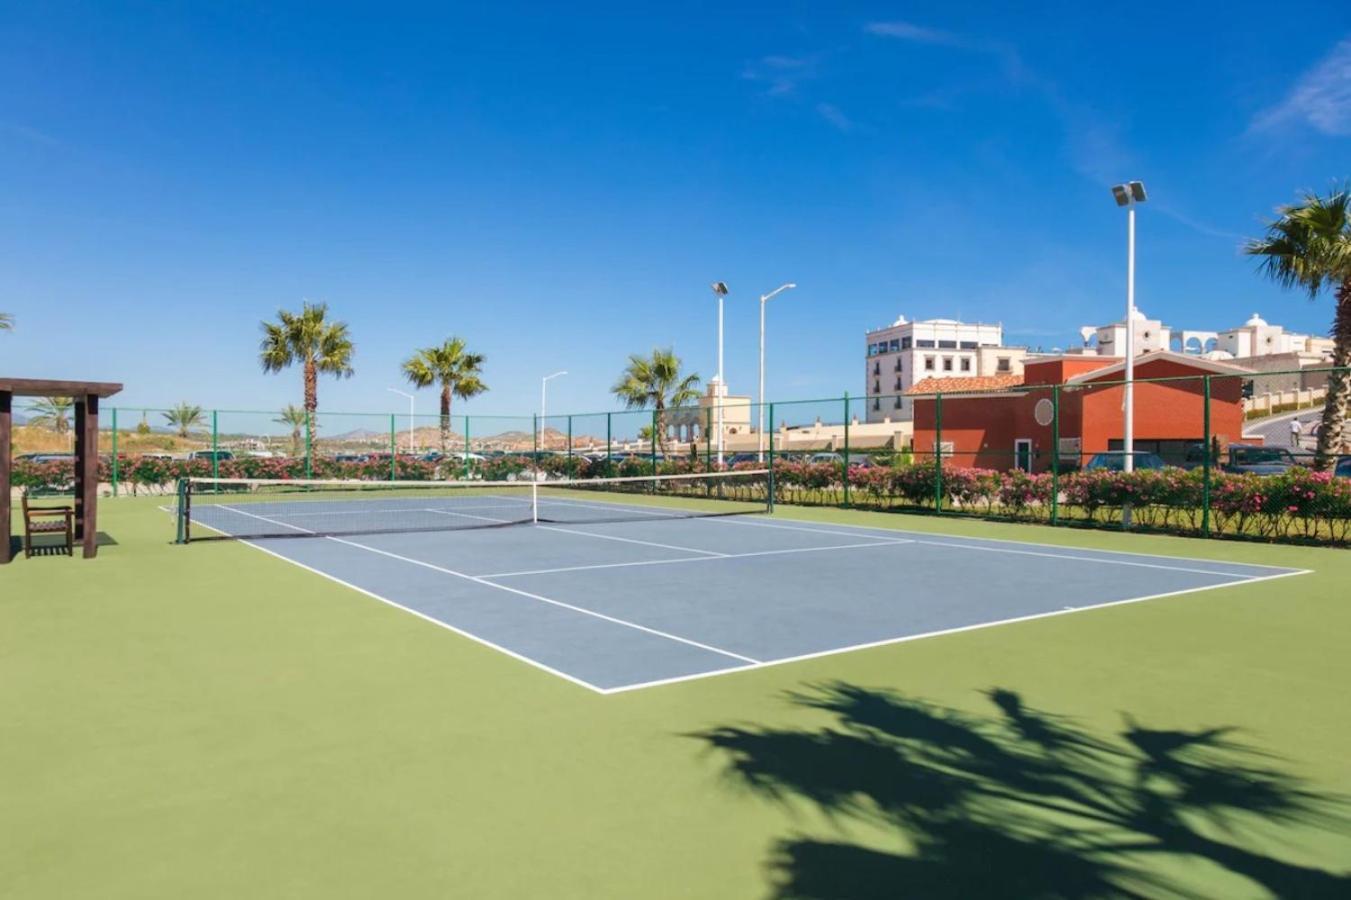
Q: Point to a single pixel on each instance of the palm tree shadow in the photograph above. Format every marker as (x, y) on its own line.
(1017, 803)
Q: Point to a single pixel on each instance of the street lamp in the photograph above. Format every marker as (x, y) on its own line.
(765, 298)
(1127, 195)
(411, 401)
(720, 289)
(544, 402)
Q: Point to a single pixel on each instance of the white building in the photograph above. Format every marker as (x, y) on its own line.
(1257, 338)
(1251, 339)
(903, 353)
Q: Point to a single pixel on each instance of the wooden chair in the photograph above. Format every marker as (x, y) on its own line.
(47, 520)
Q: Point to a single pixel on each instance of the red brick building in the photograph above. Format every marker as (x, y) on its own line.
(1006, 421)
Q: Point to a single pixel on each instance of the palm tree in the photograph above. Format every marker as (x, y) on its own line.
(295, 417)
(184, 416)
(6, 322)
(51, 412)
(459, 374)
(311, 340)
(656, 382)
(1309, 247)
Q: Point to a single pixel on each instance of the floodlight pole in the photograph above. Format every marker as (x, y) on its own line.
(1128, 195)
(720, 291)
(760, 427)
(544, 402)
(411, 401)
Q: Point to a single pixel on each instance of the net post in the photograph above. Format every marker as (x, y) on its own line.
(938, 452)
(1055, 454)
(215, 445)
(846, 448)
(393, 448)
(534, 460)
(770, 457)
(182, 517)
(466, 447)
(534, 502)
(1205, 457)
(116, 471)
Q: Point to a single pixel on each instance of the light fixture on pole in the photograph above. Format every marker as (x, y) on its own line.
(544, 402)
(720, 289)
(411, 401)
(1128, 195)
(760, 430)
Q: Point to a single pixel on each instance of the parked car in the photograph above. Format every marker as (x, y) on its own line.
(737, 459)
(209, 455)
(825, 458)
(351, 457)
(1115, 461)
(46, 457)
(1252, 459)
(1342, 469)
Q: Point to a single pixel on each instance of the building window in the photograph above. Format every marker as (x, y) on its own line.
(897, 404)
(1003, 365)
(877, 368)
(877, 387)
(905, 343)
(877, 404)
(968, 345)
(928, 363)
(924, 344)
(966, 364)
(947, 345)
(947, 364)
(898, 367)
(898, 385)
(894, 345)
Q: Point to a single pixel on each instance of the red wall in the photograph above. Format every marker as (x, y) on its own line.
(983, 429)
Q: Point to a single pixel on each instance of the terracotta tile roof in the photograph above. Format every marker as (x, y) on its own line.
(966, 385)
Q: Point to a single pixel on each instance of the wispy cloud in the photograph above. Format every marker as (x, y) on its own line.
(780, 75)
(1321, 98)
(920, 34)
(832, 114)
(32, 135)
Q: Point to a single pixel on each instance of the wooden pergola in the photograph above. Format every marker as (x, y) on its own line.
(86, 395)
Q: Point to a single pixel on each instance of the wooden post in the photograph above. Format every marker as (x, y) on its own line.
(6, 399)
(89, 465)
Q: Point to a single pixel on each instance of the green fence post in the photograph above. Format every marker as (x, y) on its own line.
(115, 462)
(770, 457)
(182, 512)
(215, 446)
(534, 431)
(654, 448)
(466, 447)
(938, 452)
(393, 448)
(309, 445)
(569, 445)
(1055, 454)
(1205, 465)
(609, 443)
(708, 438)
(846, 448)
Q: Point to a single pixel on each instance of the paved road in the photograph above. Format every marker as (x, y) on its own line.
(1276, 429)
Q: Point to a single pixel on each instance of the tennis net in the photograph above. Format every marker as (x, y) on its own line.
(223, 508)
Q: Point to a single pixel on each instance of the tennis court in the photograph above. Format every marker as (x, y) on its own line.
(632, 583)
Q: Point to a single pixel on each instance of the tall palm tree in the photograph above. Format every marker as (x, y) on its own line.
(1309, 247)
(295, 417)
(184, 416)
(52, 413)
(6, 322)
(655, 381)
(308, 338)
(459, 373)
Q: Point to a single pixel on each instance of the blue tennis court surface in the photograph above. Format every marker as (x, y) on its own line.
(619, 605)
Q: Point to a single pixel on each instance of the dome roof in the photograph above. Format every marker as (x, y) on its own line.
(1255, 320)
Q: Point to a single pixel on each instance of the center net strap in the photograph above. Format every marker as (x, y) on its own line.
(258, 508)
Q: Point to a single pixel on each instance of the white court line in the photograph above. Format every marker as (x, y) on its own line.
(685, 559)
(612, 537)
(1066, 556)
(511, 590)
(946, 631)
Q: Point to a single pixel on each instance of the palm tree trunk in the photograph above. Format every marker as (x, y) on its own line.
(445, 420)
(311, 396)
(1331, 440)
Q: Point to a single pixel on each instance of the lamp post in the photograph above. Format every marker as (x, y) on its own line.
(760, 430)
(720, 290)
(411, 401)
(544, 403)
(1128, 195)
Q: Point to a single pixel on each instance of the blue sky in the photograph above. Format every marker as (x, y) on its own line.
(558, 183)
